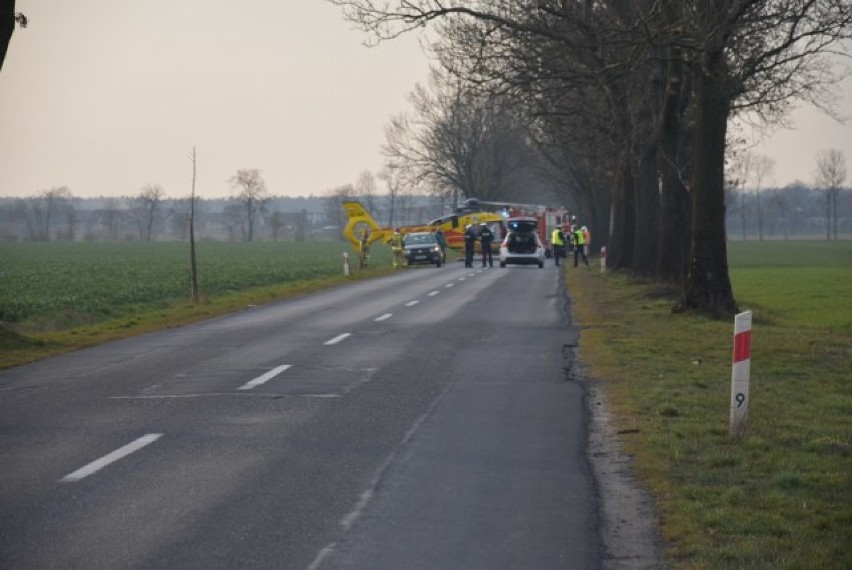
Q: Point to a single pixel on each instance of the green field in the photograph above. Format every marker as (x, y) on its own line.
(57, 296)
(794, 282)
(782, 496)
(51, 286)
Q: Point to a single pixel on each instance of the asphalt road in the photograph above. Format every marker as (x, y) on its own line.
(421, 420)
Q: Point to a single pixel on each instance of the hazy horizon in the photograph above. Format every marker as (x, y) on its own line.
(106, 98)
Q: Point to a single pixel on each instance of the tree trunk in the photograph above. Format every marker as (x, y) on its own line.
(7, 27)
(674, 198)
(834, 194)
(674, 227)
(620, 254)
(828, 215)
(600, 219)
(708, 286)
(647, 210)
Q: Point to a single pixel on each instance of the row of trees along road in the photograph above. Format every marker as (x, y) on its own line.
(632, 100)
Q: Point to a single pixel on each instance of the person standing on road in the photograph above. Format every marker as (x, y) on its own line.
(442, 242)
(364, 249)
(587, 236)
(557, 240)
(469, 242)
(397, 243)
(579, 243)
(486, 237)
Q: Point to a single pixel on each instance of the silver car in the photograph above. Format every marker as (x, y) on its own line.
(521, 246)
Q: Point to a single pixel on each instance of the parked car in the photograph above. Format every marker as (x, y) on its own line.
(521, 245)
(422, 247)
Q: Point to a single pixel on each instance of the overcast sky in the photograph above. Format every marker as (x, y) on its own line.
(107, 96)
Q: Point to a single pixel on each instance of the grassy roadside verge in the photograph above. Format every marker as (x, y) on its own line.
(780, 498)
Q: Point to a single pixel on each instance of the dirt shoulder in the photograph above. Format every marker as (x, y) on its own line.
(628, 520)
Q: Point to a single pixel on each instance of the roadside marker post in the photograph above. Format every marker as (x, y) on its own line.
(603, 259)
(740, 373)
(346, 263)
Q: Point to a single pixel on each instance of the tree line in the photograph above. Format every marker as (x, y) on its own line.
(57, 215)
(251, 213)
(757, 209)
(628, 105)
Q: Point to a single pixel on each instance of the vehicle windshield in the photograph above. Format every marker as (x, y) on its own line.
(420, 239)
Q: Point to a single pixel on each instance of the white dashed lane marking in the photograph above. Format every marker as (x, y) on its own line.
(383, 317)
(99, 464)
(337, 339)
(433, 293)
(265, 378)
(411, 303)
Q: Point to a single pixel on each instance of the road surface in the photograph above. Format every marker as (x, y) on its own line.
(421, 420)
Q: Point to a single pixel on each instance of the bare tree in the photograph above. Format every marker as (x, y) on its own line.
(111, 217)
(738, 168)
(830, 176)
(779, 203)
(392, 180)
(275, 221)
(457, 142)
(251, 195)
(365, 188)
(301, 229)
(145, 210)
(71, 220)
(334, 214)
(41, 211)
(762, 167)
(233, 222)
(750, 170)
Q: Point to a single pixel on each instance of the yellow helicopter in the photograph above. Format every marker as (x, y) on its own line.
(453, 225)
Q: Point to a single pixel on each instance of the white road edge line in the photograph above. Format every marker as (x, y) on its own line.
(411, 303)
(336, 339)
(99, 464)
(265, 378)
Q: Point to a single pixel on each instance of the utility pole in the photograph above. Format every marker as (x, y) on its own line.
(193, 274)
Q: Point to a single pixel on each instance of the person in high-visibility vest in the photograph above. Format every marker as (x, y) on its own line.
(397, 243)
(557, 240)
(364, 249)
(587, 236)
(579, 243)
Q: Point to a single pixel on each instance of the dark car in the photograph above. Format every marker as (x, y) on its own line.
(521, 246)
(422, 247)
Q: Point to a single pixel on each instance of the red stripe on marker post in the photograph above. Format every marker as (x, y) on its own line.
(742, 346)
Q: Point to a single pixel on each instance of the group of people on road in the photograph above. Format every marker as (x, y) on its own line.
(572, 239)
(485, 235)
(577, 241)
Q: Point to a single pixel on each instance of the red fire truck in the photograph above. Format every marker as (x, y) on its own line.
(549, 218)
